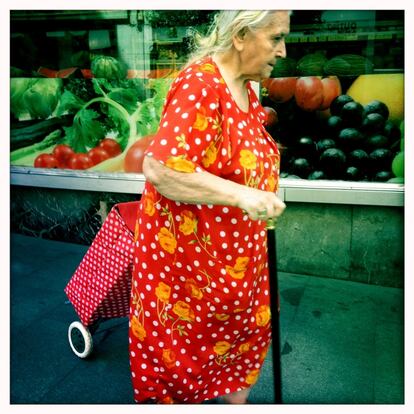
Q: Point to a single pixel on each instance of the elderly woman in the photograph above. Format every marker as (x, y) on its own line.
(200, 316)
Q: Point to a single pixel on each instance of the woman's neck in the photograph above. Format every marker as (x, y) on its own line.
(229, 67)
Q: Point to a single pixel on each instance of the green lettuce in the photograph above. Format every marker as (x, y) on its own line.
(42, 97)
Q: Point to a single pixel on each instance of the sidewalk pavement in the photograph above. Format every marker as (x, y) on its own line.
(342, 342)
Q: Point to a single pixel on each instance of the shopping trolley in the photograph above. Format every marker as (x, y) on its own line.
(100, 287)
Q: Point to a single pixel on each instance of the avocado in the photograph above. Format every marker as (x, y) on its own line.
(382, 176)
(300, 167)
(392, 131)
(350, 139)
(352, 114)
(377, 107)
(317, 175)
(332, 162)
(305, 147)
(338, 103)
(353, 174)
(373, 123)
(333, 125)
(377, 141)
(286, 158)
(358, 158)
(380, 159)
(324, 144)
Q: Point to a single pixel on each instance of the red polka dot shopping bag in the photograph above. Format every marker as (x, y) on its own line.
(100, 287)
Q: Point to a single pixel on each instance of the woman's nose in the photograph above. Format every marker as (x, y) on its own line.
(281, 49)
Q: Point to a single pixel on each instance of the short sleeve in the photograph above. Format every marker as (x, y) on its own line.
(189, 137)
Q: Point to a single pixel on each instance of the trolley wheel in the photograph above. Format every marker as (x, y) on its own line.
(80, 339)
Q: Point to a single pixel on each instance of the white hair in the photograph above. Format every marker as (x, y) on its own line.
(226, 25)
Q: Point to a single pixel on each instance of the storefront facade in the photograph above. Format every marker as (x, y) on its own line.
(71, 70)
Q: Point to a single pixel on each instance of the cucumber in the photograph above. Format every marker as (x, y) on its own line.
(26, 155)
(25, 133)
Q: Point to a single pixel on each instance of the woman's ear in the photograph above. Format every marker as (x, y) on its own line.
(239, 39)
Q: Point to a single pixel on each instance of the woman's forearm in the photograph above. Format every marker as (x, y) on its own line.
(193, 188)
(205, 188)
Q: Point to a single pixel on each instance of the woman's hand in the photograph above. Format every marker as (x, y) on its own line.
(260, 205)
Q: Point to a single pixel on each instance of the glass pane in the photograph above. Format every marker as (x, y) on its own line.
(81, 66)
(79, 78)
(336, 56)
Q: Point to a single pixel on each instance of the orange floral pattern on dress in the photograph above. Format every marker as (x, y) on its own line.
(263, 315)
(272, 179)
(137, 328)
(201, 121)
(210, 156)
(181, 140)
(188, 222)
(169, 358)
(271, 183)
(252, 377)
(180, 164)
(222, 347)
(263, 354)
(247, 159)
(136, 230)
(222, 316)
(167, 240)
(244, 347)
(167, 400)
(223, 353)
(239, 269)
(193, 289)
(184, 311)
(181, 310)
(163, 292)
(208, 68)
(149, 204)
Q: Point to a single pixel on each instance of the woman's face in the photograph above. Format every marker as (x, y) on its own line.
(259, 50)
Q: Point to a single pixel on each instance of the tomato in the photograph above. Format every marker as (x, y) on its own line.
(97, 155)
(63, 153)
(271, 116)
(111, 147)
(309, 93)
(79, 161)
(45, 161)
(135, 155)
(281, 89)
(331, 89)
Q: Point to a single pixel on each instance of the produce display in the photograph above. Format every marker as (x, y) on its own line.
(333, 118)
(334, 127)
(84, 124)
(317, 64)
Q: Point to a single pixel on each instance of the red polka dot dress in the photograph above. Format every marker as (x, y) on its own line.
(200, 315)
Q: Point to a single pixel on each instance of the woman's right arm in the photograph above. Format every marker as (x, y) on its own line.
(206, 188)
